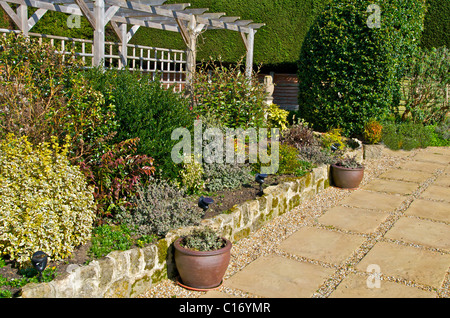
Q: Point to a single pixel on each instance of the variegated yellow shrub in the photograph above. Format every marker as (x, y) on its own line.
(45, 203)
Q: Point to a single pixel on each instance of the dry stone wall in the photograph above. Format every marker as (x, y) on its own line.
(130, 273)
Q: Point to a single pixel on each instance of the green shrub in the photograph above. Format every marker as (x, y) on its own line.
(226, 94)
(42, 94)
(192, 176)
(220, 176)
(436, 31)
(147, 111)
(349, 72)
(159, 208)
(116, 176)
(406, 135)
(290, 162)
(277, 117)
(425, 89)
(373, 131)
(332, 138)
(298, 136)
(45, 203)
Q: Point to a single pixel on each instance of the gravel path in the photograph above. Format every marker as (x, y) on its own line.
(266, 240)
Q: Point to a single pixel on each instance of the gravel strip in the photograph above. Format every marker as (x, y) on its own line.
(266, 240)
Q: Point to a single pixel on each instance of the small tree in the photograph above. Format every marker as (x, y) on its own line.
(352, 60)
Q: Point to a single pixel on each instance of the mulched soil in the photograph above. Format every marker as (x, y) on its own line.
(223, 201)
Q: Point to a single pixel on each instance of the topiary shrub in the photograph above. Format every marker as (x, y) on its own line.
(45, 203)
(349, 70)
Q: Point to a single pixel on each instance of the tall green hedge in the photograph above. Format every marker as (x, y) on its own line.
(277, 44)
(437, 24)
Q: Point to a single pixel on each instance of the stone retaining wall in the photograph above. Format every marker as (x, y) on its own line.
(130, 273)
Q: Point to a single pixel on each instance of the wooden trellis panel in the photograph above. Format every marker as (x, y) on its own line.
(189, 22)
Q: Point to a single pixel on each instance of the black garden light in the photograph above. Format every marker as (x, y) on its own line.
(39, 261)
(204, 203)
(335, 147)
(260, 179)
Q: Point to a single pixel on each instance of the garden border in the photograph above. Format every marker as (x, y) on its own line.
(133, 272)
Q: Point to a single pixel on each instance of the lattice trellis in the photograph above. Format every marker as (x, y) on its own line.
(189, 22)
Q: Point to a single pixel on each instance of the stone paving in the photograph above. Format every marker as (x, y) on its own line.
(391, 238)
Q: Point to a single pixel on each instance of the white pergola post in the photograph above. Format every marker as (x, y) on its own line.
(99, 32)
(190, 34)
(249, 42)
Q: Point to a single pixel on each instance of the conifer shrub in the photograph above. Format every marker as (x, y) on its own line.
(45, 203)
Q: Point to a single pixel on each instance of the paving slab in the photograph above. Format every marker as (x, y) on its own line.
(406, 175)
(422, 166)
(442, 180)
(279, 277)
(439, 150)
(435, 157)
(353, 219)
(322, 245)
(391, 186)
(216, 294)
(439, 211)
(356, 286)
(423, 232)
(407, 262)
(373, 200)
(447, 170)
(438, 193)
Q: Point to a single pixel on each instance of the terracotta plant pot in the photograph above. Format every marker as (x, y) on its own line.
(202, 269)
(347, 178)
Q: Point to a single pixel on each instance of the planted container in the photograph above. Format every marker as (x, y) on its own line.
(202, 269)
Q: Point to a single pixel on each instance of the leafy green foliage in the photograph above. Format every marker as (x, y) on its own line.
(220, 176)
(146, 111)
(425, 92)
(28, 275)
(350, 72)
(406, 135)
(437, 24)
(42, 94)
(45, 203)
(192, 176)
(290, 162)
(159, 208)
(348, 162)
(203, 240)
(117, 175)
(373, 131)
(226, 94)
(277, 117)
(106, 238)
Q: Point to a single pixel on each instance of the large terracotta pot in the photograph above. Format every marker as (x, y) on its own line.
(347, 178)
(202, 269)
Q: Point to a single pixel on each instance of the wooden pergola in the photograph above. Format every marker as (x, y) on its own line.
(127, 16)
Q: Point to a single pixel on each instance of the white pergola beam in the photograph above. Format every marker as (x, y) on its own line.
(190, 22)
